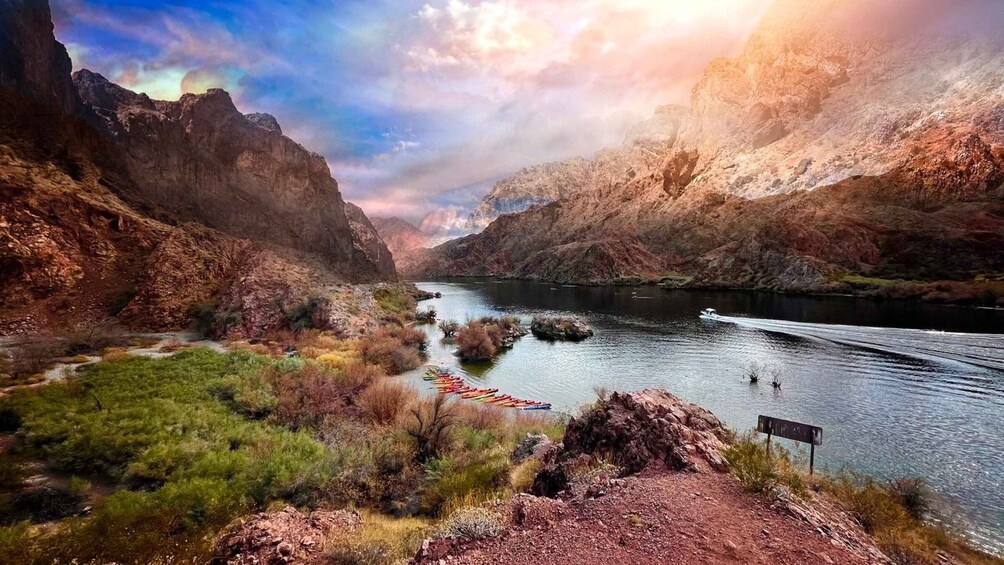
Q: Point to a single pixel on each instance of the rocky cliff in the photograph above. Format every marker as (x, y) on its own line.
(201, 160)
(542, 184)
(832, 147)
(32, 63)
(404, 240)
(130, 221)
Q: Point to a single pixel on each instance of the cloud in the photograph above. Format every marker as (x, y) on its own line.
(419, 105)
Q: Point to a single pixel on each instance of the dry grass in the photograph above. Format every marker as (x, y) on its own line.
(381, 540)
(112, 354)
(893, 513)
(483, 416)
(386, 400)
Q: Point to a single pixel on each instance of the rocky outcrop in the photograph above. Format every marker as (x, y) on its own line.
(637, 430)
(32, 63)
(288, 536)
(402, 238)
(201, 160)
(651, 426)
(557, 328)
(82, 240)
(834, 145)
(543, 184)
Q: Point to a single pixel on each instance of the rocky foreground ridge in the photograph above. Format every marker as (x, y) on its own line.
(662, 495)
(116, 204)
(836, 147)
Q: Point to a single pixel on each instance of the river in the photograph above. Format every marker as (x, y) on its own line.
(900, 389)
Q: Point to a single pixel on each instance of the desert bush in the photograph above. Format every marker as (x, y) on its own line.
(471, 523)
(385, 401)
(305, 315)
(92, 338)
(482, 416)
(522, 475)
(429, 422)
(396, 304)
(426, 316)
(306, 397)
(913, 495)
(250, 395)
(449, 328)
(112, 354)
(761, 471)
(404, 359)
(32, 358)
(396, 350)
(474, 343)
(456, 482)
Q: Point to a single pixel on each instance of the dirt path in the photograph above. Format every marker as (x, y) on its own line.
(667, 518)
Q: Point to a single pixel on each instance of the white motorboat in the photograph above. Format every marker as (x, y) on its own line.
(710, 314)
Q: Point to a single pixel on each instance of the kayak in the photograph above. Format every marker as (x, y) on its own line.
(494, 399)
(537, 407)
(479, 393)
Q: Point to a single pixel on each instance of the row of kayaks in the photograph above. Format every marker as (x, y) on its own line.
(447, 383)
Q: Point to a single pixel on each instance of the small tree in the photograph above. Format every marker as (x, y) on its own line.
(430, 423)
(426, 316)
(449, 328)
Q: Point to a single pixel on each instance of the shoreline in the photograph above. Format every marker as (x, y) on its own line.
(715, 287)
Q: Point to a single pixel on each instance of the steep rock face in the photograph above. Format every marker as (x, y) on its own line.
(542, 184)
(32, 63)
(78, 244)
(833, 145)
(404, 240)
(203, 161)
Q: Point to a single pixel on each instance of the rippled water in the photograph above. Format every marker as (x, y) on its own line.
(899, 388)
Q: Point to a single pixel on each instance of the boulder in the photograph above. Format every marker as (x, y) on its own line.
(636, 430)
(556, 328)
(288, 536)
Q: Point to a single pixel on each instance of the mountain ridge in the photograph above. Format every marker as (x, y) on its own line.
(877, 157)
(87, 235)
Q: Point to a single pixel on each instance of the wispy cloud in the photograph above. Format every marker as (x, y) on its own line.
(415, 103)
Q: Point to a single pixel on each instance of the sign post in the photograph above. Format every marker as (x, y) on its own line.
(805, 433)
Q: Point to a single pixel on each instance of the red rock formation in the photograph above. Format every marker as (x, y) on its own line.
(201, 160)
(833, 145)
(403, 239)
(82, 230)
(288, 536)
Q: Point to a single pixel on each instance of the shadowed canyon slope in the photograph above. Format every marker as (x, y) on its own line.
(833, 146)
(115, 202)
(403, 239)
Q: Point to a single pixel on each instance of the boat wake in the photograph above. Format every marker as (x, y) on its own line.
(979, 350)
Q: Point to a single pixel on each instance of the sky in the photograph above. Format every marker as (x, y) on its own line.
(418, 106)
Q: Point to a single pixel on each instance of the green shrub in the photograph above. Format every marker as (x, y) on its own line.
(760, 471)
(305, 315)
(395, 303)
(159, 426)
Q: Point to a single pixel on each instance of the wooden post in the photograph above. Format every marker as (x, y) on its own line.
(812, 456)
(768, 445)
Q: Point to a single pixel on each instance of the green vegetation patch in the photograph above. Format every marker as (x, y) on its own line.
(184, 462)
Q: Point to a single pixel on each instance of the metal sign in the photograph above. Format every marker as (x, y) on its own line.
(790, 430)
(812, 435)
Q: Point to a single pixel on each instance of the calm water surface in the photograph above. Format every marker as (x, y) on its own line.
(892, 400)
